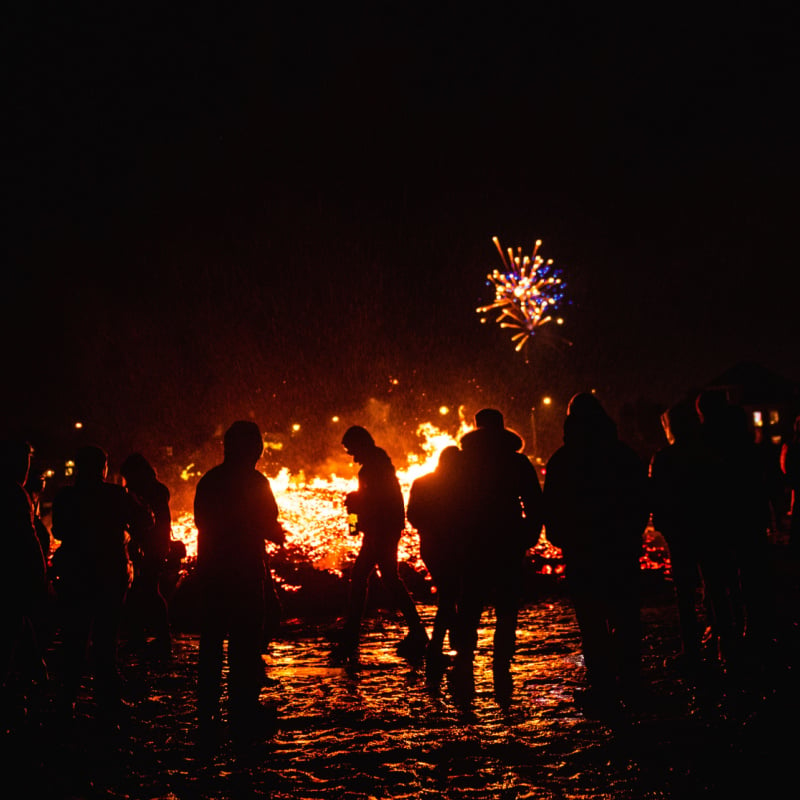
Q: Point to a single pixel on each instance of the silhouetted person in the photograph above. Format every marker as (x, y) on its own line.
(744, 517)
(22, 581)
(378, 503)
(94, 520)
(790, 466)
(236, 515)
(688, 491)
(436, 510)
(597, 509)
(503, 507)
(147, 609)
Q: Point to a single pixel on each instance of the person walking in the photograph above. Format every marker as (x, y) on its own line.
(379, 506)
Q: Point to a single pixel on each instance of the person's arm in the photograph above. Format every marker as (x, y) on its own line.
(141, 521)
(272, 530)
(532, 500)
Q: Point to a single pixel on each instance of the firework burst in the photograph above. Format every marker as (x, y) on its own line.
(527, 293)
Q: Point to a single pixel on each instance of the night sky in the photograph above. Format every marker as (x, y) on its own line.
(286, 213)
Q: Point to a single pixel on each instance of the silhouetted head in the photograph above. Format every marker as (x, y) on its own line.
(449, 458)
(15, 460)
(681, 422)
(585, 405)
(91, 463)
(711, 404)
(243, 443)
(137, 470)
(357, 441)
(587, 420)
(490, 427)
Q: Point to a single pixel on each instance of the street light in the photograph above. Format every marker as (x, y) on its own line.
(546, 401)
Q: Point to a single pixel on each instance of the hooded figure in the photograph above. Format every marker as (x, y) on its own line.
(596, 510)
(380, 508)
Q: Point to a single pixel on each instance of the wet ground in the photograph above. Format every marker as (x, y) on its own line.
(380, 732)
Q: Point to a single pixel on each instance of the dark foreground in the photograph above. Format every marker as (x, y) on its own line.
(381, 732)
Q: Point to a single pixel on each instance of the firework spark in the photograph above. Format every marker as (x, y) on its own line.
(526, 294)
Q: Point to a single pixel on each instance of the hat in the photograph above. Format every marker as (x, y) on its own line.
(490, 418)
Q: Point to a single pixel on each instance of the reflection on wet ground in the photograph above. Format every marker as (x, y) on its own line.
(380, 732)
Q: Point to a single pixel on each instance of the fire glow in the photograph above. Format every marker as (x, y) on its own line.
(313, 514)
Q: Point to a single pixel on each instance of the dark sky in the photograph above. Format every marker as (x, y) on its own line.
(214, 214)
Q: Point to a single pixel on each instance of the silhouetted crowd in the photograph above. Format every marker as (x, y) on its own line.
(101, 567)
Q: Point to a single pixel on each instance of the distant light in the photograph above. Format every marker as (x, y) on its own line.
(78, 425)
(546, 401)
(335, 418)
(444, 410)
(296, 427)
(758, 420)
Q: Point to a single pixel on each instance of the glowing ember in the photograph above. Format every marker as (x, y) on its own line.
(527, 293)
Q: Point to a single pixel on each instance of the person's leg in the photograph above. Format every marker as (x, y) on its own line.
(719, 586)
(626, 623)
(470, 605)
(356, 600)
(590, 601)
(506, 581)
(386, 558)
(686, 580)
(245, 665)
(447, 608)
(209, 678)
(76, 626)
(158, 613)
(107, 614)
